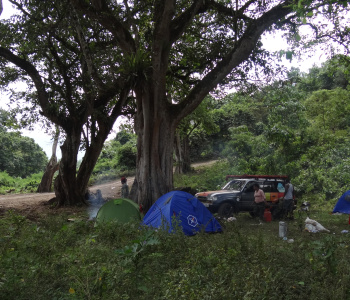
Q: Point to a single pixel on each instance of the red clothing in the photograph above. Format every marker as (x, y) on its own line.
(259, 196)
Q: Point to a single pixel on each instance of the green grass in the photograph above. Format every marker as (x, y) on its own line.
(52, 258)
(64, 256)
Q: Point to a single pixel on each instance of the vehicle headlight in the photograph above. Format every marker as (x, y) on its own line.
(213, 198)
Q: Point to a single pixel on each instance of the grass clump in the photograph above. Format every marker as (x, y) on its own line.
(52, 258)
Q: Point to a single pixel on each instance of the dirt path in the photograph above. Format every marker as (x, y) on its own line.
(36, 201)
(108, 190)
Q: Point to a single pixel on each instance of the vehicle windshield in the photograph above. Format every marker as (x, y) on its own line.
(235, 185)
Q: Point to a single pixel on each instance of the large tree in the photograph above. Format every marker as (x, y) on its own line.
(170, 53)
(71, 79)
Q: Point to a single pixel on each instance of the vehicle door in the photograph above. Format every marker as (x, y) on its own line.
(247, 197)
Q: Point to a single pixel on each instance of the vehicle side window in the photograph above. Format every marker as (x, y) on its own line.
(249, 187)
(266, 187)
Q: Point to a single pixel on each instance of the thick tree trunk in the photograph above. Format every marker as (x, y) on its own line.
(46, 181)
(65, 185)
(155, 144)
(51, 168)
(71, 185)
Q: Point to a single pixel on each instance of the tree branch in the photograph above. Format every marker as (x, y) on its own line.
(105, 17)
(241, 51)
(36, 78)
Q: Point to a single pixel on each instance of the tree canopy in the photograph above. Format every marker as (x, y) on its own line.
(87, 62)
(19, 156)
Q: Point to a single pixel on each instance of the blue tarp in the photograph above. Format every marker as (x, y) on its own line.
(184, 209)
(343, 204)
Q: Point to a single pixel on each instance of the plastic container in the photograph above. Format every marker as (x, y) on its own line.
(282, 230)
(267, 215)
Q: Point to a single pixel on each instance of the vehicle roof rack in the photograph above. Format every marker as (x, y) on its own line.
(257, 176)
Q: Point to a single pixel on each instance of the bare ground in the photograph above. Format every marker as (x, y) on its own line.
(37, 203)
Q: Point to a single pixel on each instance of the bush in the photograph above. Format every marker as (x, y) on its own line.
(205, 178)
(126, 157)
(19, 185)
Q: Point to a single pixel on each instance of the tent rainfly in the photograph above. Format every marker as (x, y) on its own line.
(178, 207)
(343, 204)
(121, 210)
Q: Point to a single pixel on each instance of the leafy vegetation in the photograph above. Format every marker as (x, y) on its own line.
(20, 156)
(9, 184)
(297, 127)
(118, 158)
(76, 260)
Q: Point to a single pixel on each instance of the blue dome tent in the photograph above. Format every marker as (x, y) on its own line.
(343, 204)
(184, 209)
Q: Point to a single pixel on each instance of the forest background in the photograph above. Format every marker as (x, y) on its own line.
(298, 126)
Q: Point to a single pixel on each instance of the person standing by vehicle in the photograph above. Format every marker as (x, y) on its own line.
(125, 188)
(288, 200)
(259, 202)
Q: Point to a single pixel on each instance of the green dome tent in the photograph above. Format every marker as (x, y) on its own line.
(120, 210)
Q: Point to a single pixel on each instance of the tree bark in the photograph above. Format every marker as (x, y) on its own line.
(182, 154)
(155, 129)
(65, 185)
(51, 168)
(91, 155)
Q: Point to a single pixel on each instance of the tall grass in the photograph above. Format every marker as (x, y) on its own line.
(52, 258)
(64, 256)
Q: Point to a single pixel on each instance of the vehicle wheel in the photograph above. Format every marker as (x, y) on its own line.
(226, 210)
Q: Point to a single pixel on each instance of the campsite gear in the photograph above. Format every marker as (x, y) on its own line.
(121, 210)
(314, 226)
(178, 208)
(267, 215)
(282, 230)
(343, 204)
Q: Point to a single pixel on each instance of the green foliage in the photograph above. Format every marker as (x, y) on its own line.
(75, 260)
(124, 136)
(205, 178)
(292, 128)
(126, 156)
(117, 158)
(19, 185)
(20, 156)
(329, 109)
(197, 128)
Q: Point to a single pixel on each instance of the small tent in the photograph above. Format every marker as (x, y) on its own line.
(343, 204)
(184, 209)
(121, 210)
